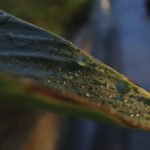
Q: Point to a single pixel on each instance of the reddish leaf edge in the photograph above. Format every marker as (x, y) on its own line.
(55, 100)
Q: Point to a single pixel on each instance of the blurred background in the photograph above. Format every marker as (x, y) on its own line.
(117, 32)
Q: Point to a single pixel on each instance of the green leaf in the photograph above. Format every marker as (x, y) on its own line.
(28, 94)
(75, 82)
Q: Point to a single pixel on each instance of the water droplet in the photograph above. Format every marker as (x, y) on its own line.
(125, 101)
(82, 86)
(87, 94)
(122, 87)
(102, 70)
(106, 71)
(131, 115)
(70, 77)
(76, 74)
(81, 63)
(68, 43)
(3, 17)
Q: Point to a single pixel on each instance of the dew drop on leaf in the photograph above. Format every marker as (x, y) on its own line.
(76, 74)
(102, 70)
(132, 115)
(87, 94)
(49, 81)
(82, 87)
(122, 87)
(81, 63)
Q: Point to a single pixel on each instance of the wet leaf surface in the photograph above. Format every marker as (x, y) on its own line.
(36, 55)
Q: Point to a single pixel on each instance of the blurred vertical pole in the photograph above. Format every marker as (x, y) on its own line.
(107, 48)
